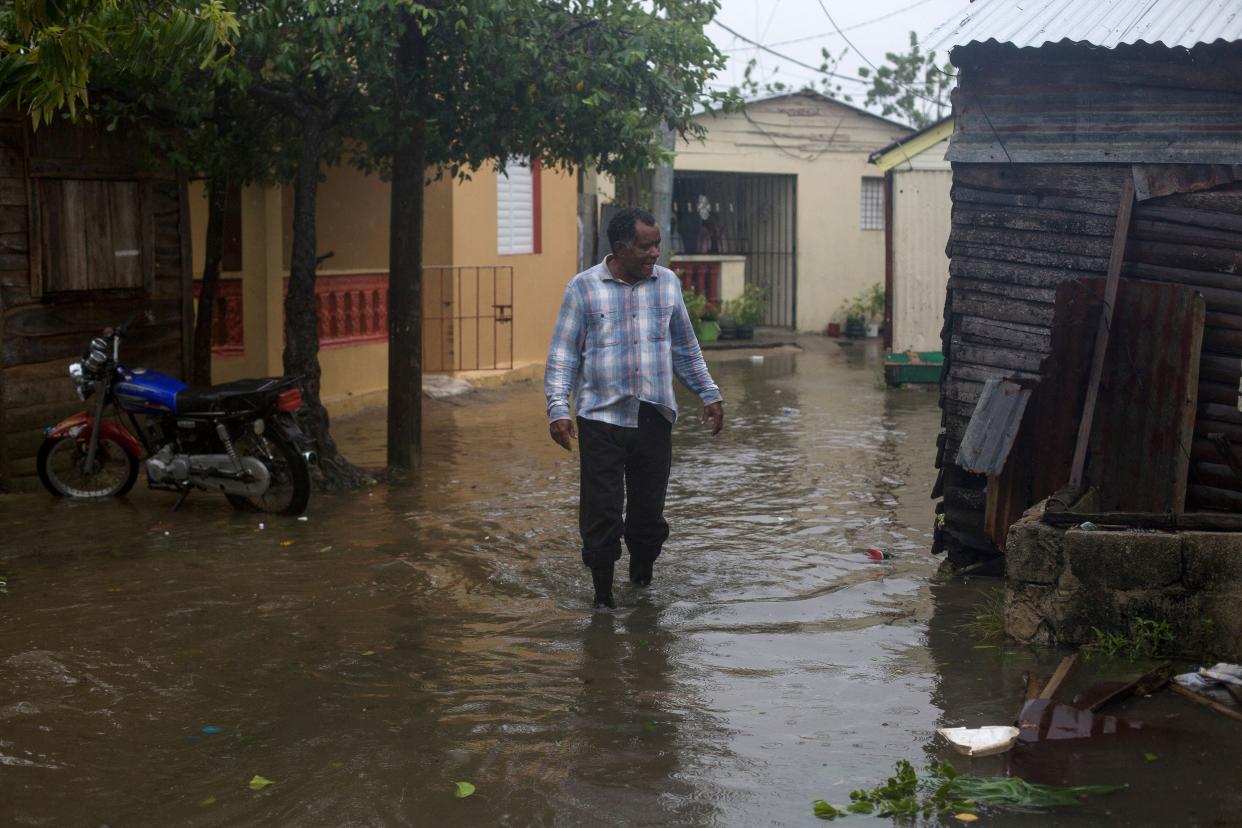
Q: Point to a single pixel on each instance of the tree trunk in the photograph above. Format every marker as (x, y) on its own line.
(662, 195)
(301, 355)
(405, 273)
(217, 190)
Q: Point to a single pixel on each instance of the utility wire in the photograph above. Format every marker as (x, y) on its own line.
(817, 70)
(902, 10)
(866, 60)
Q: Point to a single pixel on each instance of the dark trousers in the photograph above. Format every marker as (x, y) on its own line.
(624, 469)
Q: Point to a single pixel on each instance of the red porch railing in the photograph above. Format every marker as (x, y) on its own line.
(226, 319)
(700, 277)
(352, 309)
(467, 315)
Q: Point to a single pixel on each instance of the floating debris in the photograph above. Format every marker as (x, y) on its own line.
(980, 741)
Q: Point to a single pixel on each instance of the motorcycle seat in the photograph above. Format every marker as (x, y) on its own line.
(231, 396)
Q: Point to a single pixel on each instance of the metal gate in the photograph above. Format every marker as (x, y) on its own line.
(748, 214)
(468, 318)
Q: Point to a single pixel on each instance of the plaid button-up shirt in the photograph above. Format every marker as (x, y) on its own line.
(616, 345)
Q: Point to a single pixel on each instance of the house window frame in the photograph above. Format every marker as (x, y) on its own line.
(871, 204)
(535, 170)
(41, 170)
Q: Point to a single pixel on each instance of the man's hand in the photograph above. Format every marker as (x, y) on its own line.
(713, 416)
(562, 432)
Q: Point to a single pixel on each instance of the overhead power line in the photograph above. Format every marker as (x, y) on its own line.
(882, 17)
(866, 60)
(782, 56)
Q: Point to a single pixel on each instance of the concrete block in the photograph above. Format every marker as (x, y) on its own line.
(1124, 560)
(1212, 560)
(1033, 553)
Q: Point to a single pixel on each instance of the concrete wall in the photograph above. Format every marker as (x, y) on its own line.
(1062, 585)
(459, 228)
(825, 144)
(922, 216)
(539, 279)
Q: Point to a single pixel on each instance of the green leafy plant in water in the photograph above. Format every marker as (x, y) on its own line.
(905, 797)
(987, 622)
(1147, 639)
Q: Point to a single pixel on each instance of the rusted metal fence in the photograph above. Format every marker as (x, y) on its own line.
(468, 318)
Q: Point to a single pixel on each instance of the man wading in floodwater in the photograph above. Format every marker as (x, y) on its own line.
(622, 333)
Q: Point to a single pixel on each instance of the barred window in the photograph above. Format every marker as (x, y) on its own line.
(871, 215)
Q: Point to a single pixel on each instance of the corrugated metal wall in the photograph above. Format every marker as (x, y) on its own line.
(921, 222)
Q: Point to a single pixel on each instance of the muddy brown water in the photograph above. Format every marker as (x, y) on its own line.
(406, 638)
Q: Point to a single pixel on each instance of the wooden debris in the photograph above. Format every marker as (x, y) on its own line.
(1121, 229)
(1191, 521)
(1104, 693)
(1034, 681)
(1199, 698)
(1058, 677)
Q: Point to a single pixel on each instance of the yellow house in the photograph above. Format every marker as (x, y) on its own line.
(498, 251)
(785, 184)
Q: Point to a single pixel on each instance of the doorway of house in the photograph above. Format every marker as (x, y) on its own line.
(747, 214)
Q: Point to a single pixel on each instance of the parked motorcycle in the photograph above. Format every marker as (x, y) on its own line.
(240, 438)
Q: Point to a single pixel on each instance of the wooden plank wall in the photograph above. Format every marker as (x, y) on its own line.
(1018, 231)
(40, 336)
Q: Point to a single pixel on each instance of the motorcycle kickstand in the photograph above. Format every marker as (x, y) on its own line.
(184, 494)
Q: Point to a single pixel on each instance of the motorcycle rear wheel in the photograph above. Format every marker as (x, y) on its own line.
(61, 466)
(289, 491)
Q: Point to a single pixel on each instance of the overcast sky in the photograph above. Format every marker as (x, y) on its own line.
(800, 29)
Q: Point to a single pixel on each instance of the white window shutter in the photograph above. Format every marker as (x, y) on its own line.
(515, 222)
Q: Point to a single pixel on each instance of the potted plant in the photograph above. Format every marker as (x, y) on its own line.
(855, 318)
(745, 312)
(709, 325)
(696, 304)
(875, 309)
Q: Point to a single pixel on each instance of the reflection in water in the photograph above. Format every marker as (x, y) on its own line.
(405, 638)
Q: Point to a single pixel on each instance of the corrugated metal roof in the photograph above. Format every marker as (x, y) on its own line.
(1104, 23)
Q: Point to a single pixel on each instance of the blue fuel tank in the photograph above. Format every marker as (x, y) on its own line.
(146, 392)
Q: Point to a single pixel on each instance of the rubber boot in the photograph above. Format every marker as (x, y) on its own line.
(641, 571)
(602, 579)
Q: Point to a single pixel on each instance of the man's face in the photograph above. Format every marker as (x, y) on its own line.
(637, 259)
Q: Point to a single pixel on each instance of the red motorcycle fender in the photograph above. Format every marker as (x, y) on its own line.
(80, 425)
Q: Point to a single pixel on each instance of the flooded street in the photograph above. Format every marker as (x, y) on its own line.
(405, 638)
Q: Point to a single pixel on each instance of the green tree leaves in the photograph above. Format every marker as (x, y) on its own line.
(911, 86)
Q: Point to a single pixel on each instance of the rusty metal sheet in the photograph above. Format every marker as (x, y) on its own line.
(1155, 180)
(1139, 455)
(989, 436)
(1074, 104)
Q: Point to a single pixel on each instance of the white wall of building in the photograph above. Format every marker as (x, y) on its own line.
(826, 145)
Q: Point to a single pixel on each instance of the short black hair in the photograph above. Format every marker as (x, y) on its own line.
(623, 227)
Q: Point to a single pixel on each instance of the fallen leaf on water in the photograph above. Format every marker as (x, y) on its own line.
(258, 783)
(464, 789)
(211, 800)
(1150, 757)
(286, 543)
(966, 817)
(326, 549)
(369, 652)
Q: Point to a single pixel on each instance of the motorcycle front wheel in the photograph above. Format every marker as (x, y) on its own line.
(289, 490)
(62, 468)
